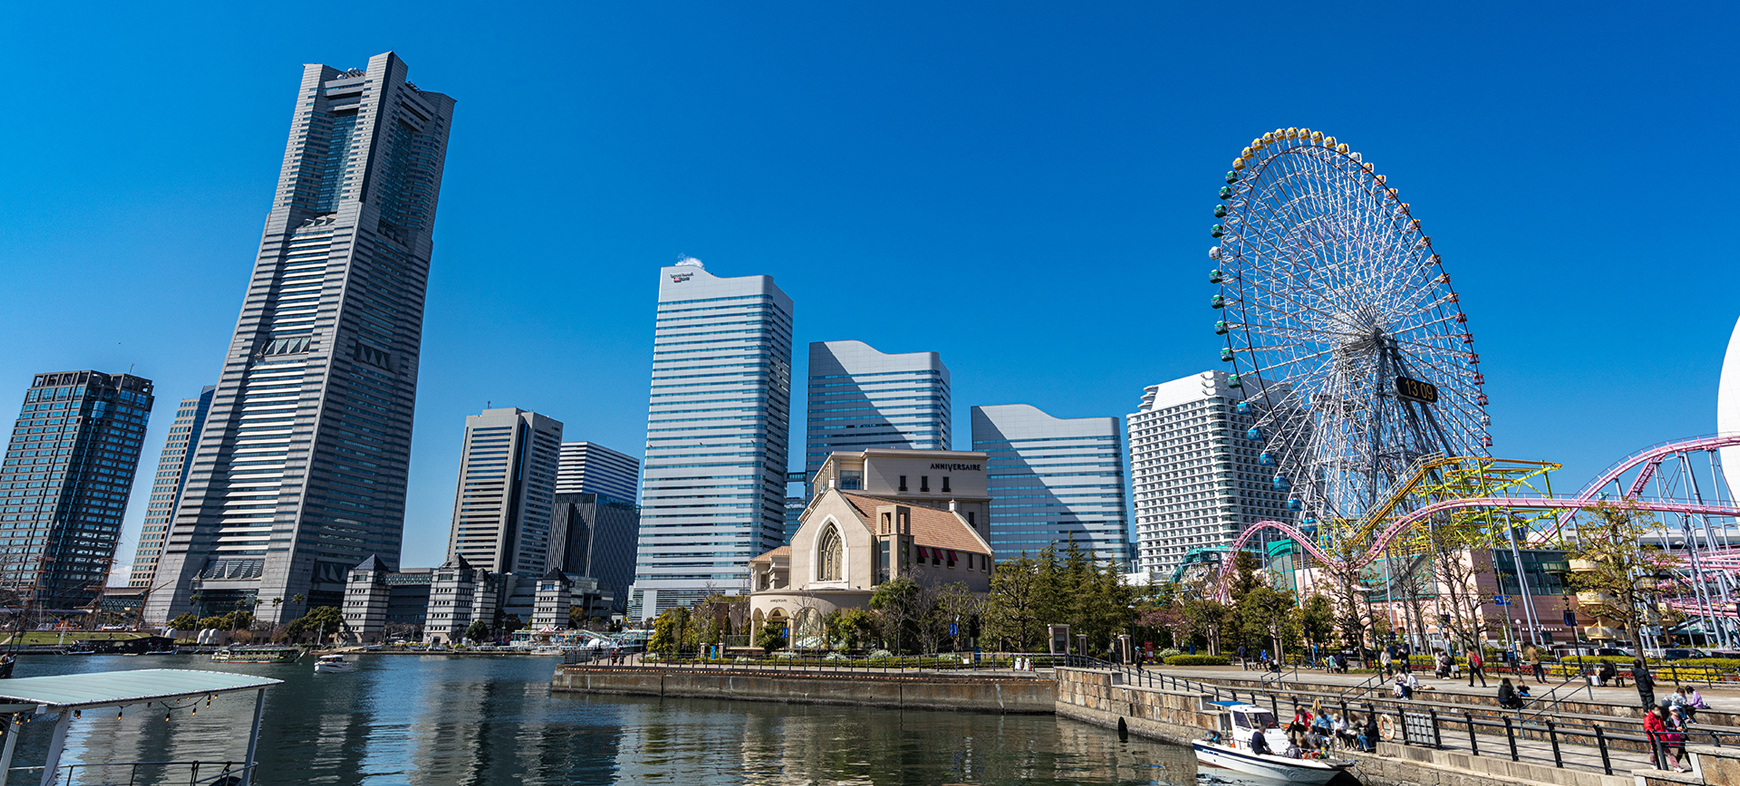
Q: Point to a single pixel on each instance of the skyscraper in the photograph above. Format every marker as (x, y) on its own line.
(860, 399)
(69, 468)
(590, 468)
(1196, 479)
(595, 535)
(300, 470)
(166, 487)
(1053, 480)
(718, 425)
(507, 477)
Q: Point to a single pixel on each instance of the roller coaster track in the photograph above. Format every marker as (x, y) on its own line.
(1649, 458)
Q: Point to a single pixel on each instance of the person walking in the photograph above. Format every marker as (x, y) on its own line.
(1535, 665)
(1645, 683)
(1476, 667)
(1384, 662)
(1664, 738)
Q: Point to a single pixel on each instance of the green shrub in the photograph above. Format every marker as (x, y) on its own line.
(1197, 660)
(1167, 653)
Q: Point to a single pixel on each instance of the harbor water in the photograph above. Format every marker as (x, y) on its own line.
(436, 720)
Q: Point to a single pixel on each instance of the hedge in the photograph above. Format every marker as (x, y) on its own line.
(1198, 660)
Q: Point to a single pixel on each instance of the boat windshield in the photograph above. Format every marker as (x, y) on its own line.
(1261, 720)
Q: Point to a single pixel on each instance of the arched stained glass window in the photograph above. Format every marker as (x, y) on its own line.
(829, 557)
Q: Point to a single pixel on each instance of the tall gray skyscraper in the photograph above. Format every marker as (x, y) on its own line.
(166, 487)
(1053, 480)
(860, 399)
(590, 468)
(1197, 480)
(300, 470)
(507, 477)
(65, 481)
(718, 426)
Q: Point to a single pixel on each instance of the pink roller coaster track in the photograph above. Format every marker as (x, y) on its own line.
(1651, 457)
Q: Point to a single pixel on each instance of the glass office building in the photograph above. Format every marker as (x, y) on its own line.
(166, 487)
(300, 471)
(860, 399)
(590, 468)
(504, 501)
(1053, 481)
(718, 425)
(65, 481)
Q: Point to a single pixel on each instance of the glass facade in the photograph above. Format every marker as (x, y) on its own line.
(718, 425)
(1196, 477)
(589, 468)
(65, 481)
(166, 487)
(1053, 481)
(860, 398)
(507, 481)
(299, 473)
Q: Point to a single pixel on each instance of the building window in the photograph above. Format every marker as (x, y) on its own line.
(902, 482)
(924, 483)
(970, 521)
(828, 556)
(851, 480)
(945, 484)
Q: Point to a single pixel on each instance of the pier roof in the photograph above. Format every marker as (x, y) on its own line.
(120, 688)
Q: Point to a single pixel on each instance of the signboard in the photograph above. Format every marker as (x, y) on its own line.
(1415, 390)
(1502, 600)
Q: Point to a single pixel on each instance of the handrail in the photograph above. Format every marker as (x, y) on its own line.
(231, 770)
(1553, 693)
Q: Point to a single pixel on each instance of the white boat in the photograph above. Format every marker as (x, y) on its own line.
(333, 664)
(1234, 753)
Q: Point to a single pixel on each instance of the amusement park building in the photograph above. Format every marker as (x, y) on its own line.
(1195, 477)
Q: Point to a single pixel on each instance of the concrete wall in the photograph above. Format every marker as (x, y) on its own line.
(930, 692)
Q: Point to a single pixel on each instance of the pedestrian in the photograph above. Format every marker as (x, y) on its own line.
(1384, 662)
(1645, 683)
(1664, 739)
(1476, 668)
(1242, 663)
(1535, 664)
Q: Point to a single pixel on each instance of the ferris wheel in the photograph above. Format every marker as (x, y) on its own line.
(1349, 345)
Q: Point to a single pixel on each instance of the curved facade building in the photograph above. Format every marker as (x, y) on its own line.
(1728, 409)
(861, 399)
(1053, 480)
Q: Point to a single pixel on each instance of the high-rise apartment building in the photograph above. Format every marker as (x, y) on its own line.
(1196, 479)
(65, 481)
(507, 481)
(860, 399)
(166, 487)
(591, 468)
(718, 426)
(301, 465)
(1053, 481)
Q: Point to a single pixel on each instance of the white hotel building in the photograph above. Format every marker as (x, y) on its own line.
(1195, 477)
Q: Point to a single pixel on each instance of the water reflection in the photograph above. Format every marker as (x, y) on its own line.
(429, 720)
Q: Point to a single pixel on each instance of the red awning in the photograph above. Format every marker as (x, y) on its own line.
(920, 553)
(951, 555)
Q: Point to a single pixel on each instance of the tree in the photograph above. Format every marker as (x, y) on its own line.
(185, 621)
(769, 639)
(897, 604)
(321, 620)
(856, 626)
(479, 631)
(1614, 563)
(1012, 607)
(1270, 615)
(670, 631)
(1317, 620)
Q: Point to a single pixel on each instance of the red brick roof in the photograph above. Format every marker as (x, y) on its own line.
(782, 551)
(930, 527)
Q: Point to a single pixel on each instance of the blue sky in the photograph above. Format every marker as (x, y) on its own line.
(1024, 188)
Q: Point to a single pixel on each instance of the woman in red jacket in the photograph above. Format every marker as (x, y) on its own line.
(1663, 738)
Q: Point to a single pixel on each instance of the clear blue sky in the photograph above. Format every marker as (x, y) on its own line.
(1024, 188)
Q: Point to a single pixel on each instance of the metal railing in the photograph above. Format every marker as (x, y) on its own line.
(227, 773)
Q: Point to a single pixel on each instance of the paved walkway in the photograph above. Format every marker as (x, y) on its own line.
(1722, 698)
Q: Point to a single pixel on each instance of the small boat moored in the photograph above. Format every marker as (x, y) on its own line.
(1234, 753)
(258, 654)
(333, 664)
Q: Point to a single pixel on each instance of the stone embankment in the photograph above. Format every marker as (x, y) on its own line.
(927, 691)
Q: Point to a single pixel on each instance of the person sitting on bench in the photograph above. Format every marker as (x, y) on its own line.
(1507, 697)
